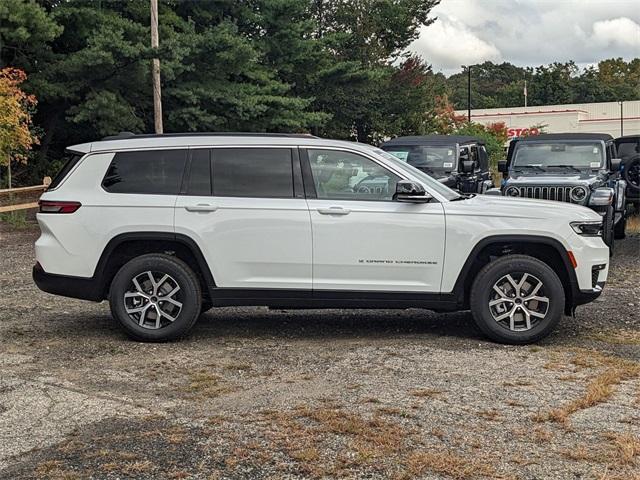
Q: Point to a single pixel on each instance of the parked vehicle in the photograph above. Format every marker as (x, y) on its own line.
(167, 226)
(459, 162)
(628, 149)
(579, 168)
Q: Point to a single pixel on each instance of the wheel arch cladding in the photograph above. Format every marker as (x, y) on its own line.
(127, 246)
(548, 250)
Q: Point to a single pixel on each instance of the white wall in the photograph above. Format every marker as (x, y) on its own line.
(581, 117)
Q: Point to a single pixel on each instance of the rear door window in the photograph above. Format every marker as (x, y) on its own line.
(252, 172)
(155, 172)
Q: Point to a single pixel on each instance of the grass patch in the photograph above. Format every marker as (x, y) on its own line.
(633, 224)
(599, 389)
(450, 464)
(618, 337)
(206, 384)
(426, 393)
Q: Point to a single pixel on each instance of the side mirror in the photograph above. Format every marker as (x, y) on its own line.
(467, 166)
(493, 191)
(411, 192)
(502, 166)
(616, 163)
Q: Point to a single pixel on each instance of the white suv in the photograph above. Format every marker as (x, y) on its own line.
(166, 226)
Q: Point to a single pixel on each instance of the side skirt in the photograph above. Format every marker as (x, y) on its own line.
(301, 299)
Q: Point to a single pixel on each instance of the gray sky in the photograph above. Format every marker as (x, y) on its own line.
(529, 32)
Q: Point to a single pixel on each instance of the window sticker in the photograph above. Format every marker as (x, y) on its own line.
(449, 152)
(596, 150)
(594, 164)
(447, 165)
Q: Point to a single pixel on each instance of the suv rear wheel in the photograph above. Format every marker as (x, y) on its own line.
(155, 298)
(517, 299)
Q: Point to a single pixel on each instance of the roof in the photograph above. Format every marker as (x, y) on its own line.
(433, 140)
(566, 136)
(628, 138)
(127, 141)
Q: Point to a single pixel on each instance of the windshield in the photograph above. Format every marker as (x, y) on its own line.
(428, 181)
(581, 155)
(440, 157)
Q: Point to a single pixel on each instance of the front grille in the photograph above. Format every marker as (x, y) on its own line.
(561, 194)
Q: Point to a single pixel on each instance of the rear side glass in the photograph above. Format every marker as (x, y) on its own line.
(252, 172)
(155, 172)
(199, 182)
(70, 161)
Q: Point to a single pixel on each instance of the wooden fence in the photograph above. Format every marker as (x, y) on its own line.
(22, 198)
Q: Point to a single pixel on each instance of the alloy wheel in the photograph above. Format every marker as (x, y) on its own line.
(153, 300)
(517, 302)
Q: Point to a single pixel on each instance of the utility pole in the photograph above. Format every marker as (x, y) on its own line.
(155, 69)
(525, 93)
(621, 119)
(469, 93)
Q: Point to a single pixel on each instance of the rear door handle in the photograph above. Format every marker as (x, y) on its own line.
(334, 211)
(201, 207)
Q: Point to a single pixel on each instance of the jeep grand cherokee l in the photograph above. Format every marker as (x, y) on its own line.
(167, 226)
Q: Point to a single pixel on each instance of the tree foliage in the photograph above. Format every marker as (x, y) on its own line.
(16, 137)
(502, 85)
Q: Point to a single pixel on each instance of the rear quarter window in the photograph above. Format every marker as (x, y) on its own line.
(153, 172)
(70, 160)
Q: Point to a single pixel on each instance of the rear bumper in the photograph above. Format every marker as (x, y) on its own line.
(74, 287)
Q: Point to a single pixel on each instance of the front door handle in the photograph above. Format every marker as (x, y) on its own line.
(201, 207)
(334, 211)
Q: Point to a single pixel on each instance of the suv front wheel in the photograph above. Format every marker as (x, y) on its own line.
(517, 299)
(155, 298)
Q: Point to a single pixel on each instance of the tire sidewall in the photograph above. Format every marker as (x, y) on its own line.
(483, 286)
(163, 264)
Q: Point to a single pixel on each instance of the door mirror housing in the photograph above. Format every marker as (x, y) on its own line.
(502, 166)
(411, 192)
(615, 164)
(467, 166)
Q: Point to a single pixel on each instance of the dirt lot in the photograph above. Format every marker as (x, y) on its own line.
(253, 393)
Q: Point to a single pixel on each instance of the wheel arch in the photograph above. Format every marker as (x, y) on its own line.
(122, 248)
(546, 249)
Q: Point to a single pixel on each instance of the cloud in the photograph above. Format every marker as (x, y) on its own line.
(619, 31)
(532, 33)
(449, 44)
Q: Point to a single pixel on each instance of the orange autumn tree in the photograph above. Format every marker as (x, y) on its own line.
(16, 138)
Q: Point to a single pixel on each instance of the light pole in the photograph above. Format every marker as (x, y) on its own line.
(468, 93)
(621, 119)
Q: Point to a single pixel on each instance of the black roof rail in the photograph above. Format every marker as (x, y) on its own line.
(131, 135)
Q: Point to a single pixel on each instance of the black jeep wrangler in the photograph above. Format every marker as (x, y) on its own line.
(629, 151)
(460, 162)
(579, 168)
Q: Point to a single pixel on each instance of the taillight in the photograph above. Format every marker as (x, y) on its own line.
(47, 206)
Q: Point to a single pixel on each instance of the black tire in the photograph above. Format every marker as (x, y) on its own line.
(632, 173)
(482, 293)
(619, 231)
(607, 230)
(189, 296)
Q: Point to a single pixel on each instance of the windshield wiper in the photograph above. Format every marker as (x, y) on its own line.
(537, 167)
(565, 166)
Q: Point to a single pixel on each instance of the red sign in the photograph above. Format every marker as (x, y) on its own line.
(522, 132)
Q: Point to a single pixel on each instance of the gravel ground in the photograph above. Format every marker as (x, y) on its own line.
(257, 393)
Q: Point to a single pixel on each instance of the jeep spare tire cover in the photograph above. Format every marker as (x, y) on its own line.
(632, 172)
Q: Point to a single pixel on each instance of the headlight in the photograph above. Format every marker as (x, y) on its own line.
(588, 229)
(601, 196)
(578, 194)
(512, 192)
